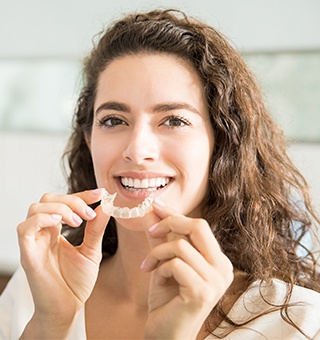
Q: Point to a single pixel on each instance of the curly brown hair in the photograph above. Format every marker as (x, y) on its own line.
(257, 202)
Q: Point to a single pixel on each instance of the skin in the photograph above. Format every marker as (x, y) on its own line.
(168, 272)
(135, 136)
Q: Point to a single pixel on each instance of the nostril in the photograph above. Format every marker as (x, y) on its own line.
(140, 155)
(141, 144)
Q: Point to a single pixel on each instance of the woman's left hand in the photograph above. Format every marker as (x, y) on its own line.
(189, 275)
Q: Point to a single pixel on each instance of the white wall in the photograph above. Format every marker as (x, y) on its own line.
(30, 166)
(30, 163)
(64, 28)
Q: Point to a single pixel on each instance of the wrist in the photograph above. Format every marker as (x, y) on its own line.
(40, 327)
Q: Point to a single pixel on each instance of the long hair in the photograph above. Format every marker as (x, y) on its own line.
(257, 202)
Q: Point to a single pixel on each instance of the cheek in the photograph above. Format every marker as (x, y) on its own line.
(199, 154)
(192, 159)
(103, 154)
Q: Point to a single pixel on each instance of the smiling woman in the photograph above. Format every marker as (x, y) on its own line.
(169, 114)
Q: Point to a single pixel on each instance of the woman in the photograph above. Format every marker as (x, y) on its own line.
(169, 111)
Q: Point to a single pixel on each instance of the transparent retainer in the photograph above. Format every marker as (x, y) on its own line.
(126, 213)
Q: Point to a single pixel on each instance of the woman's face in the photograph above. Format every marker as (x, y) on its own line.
(151, 132)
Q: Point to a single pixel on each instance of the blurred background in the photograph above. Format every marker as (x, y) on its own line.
(43, 42)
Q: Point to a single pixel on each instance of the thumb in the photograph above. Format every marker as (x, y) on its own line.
(94, 231)
(161, 209)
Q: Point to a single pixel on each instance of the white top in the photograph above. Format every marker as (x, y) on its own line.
(16, 309)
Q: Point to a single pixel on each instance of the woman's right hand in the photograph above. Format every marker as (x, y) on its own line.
(61, 276)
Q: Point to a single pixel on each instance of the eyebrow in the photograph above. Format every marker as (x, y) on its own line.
(115, 106)
(163, 107)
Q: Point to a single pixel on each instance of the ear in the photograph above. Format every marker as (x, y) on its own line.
(87, 138)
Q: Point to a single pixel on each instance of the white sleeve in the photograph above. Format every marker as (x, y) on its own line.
(304, 312)
(16, 306)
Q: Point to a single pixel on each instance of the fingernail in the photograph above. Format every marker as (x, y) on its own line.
(97, 191)
(158, 202)
(90, 212)
(56, 217)
(77, 219)
(153, 227)
(143, 264)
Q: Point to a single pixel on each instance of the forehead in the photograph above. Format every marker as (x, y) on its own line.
(150, 77)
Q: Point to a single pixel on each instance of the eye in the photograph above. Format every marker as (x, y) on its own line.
(111, 121)
(176, 121)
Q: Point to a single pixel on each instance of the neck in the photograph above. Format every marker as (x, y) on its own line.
(122, 273)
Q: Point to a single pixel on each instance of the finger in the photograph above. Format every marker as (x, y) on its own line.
(179, 248)
(69, 217)
(161, 209)
(37, 222)
(91, 196)
(180, 271)
(159, 212)
(78, 203)
(94, 231)
(197, 231)
(192, 288)
(35, 233)
(88, 196)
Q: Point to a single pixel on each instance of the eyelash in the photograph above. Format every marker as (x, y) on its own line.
(166, 121)
(104, 121)
(180, 119)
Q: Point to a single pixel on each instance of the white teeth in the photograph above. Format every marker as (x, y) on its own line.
(136, 183)
(139, 211)
(145, 183)
(152, 182)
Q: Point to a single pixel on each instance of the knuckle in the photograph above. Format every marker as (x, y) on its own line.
(37, 219)
(201, 223)
(176, 263)
(20, 228)
(33, 208)
(76, 199)
(47, 197)
(170, 219)
(180, 245)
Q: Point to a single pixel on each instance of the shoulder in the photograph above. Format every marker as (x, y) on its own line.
(276, 292)
(258, 310)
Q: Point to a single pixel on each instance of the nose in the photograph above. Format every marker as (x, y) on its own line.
(142, 146)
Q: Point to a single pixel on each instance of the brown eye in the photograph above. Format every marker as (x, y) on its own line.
(176, 121)
(110, 122)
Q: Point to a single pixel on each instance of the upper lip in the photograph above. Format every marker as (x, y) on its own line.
(142, 175)
(143, 180)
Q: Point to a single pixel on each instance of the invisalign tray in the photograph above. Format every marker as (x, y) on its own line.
(139, 211)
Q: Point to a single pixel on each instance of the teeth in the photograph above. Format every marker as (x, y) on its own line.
(145, 183)
(139, 211)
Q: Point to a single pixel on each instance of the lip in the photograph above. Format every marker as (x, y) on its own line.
(142, 174)
(139, 195)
